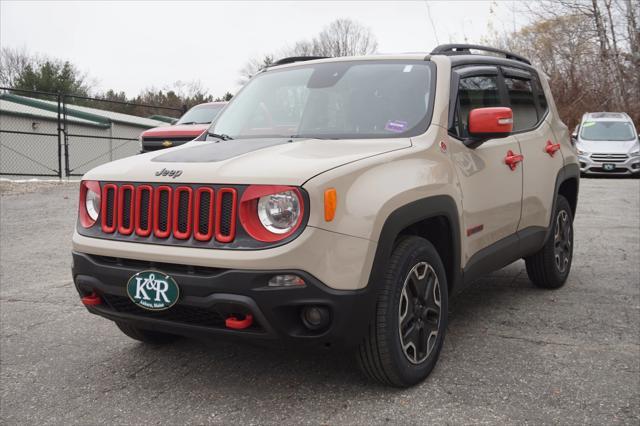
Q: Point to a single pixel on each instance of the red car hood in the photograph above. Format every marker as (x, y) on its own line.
(175, 131)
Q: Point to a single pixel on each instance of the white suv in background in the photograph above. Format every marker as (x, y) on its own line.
(607, 143)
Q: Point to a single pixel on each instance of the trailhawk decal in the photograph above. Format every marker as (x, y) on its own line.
(153, 290)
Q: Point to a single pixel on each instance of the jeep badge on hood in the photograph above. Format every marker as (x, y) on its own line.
(171, 173)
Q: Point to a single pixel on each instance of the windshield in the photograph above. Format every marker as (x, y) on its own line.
(337, 100)
(201, 114)
(607, 131)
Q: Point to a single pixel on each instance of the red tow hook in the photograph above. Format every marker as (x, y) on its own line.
(236, 324)
(91, 300)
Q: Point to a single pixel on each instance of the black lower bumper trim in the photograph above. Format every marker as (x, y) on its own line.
(209, 295)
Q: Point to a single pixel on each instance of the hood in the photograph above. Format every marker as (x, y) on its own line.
(245, 161)
(180, 130)
(607, 147)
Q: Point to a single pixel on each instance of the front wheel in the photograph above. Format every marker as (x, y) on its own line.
(550, 266)
(407, 331)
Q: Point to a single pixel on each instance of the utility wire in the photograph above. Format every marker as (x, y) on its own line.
(433, 27)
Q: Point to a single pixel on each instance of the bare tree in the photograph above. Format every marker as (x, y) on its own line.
(253, 66)
(588, 48)
(342, 37)
(13, 62)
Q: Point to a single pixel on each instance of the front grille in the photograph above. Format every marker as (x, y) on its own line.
(203, 317)
(173, 139)
(177, 313)
(614, 171)
(176, 211)
(609, 158)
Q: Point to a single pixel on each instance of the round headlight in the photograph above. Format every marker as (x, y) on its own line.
(92, 204)
(89, 205)
(272, 213)
(279, 212)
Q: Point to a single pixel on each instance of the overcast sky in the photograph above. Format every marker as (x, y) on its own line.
(135, 45)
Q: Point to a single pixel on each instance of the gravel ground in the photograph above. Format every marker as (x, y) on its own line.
(513, 353)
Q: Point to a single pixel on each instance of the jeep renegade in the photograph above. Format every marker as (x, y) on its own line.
(337, 201)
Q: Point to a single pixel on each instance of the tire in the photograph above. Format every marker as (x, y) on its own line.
(146, 336)
(550, 266)
(384, 355)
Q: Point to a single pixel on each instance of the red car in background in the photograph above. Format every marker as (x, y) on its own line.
(190, 126)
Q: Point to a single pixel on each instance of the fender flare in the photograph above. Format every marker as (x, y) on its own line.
(407, 215)
(567, 172)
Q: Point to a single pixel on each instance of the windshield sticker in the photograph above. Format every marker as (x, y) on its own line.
(407, 68)
(396, 126)
(589, 124)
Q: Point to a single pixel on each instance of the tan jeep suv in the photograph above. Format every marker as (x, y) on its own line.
(337, 202)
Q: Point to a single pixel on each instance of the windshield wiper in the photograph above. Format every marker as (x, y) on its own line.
(220, 136)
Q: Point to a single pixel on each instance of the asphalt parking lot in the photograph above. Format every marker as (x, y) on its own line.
(513, 353)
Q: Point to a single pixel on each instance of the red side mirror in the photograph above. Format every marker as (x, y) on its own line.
(489, 123)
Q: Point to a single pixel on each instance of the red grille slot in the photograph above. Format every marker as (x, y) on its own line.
(126, 209)
(109, 208)
(143, 210)
(203, 214)
(182, 212)
(225, 217)
(162, 212)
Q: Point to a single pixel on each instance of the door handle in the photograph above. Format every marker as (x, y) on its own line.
(551, 148)
(512, 159)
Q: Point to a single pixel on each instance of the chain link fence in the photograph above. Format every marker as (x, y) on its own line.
(59, 135)
(30, 138)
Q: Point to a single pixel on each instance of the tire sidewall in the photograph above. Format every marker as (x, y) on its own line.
(422, 251)
(562, 204)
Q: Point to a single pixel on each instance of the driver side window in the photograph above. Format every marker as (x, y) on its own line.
(474, 92)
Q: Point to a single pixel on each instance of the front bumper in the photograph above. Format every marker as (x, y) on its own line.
(209, 295)
(590, 166)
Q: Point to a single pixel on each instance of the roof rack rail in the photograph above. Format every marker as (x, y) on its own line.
(293, 59)
(465, 49)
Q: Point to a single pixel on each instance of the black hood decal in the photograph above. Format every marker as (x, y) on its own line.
(219, 150)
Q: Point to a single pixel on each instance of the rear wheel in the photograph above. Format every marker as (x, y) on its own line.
(549, 267)
(146, 336)
(407, 332)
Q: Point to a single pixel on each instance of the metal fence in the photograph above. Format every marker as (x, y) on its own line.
(61, 135)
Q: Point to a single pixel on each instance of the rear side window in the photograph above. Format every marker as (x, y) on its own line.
(542, 101)
(475, 92)
(523, 104)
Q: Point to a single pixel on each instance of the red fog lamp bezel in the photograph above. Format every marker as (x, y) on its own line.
(249, 212)
(85, 220)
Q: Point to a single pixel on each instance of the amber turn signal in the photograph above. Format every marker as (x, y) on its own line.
(330, 204)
